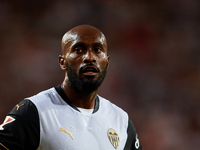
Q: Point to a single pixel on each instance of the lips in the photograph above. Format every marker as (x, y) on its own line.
(90, 70)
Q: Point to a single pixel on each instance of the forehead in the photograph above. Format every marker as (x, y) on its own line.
(84, 35)
(85, 32)
(86, 38)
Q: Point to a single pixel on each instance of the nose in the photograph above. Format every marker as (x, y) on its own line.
(89, 57)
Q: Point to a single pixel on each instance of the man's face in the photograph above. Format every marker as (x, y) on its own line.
(86, 60)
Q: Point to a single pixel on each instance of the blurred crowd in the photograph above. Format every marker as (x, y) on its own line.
(154, 71)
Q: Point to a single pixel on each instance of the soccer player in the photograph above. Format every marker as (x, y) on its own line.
(72, 116)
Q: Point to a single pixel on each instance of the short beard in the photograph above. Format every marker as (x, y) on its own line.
(84, 86)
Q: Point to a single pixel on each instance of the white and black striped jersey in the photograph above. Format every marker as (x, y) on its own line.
(48, 121)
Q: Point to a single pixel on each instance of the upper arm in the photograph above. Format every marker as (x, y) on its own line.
(132, 142)
(21, 129)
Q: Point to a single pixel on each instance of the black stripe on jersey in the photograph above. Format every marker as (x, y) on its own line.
(66, 99)
(96, 107)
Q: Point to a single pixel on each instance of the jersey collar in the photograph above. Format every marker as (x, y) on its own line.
(66, 99)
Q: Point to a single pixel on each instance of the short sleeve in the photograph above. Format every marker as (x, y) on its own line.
(132, 142)
(21, 129)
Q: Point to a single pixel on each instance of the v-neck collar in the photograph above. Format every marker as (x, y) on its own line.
(66, 99)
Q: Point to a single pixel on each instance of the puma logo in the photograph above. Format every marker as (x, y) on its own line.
(70, 133)
(19, 106)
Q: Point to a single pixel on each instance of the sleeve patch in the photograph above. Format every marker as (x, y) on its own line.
(7, 120)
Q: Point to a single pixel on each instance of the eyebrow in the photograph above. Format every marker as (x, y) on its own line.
(81, 44)
(98, 44)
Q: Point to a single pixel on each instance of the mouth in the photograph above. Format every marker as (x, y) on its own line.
(90, 70)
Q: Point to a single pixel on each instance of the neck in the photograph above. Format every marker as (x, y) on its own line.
(79, 99)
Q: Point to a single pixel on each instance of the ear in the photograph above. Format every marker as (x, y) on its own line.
(62, 62)
(108, 59)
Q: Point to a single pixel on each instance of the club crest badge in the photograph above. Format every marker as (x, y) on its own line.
(6, 121)
(113, 137)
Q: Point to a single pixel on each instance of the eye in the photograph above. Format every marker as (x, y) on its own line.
(98, 49)
(78, 50)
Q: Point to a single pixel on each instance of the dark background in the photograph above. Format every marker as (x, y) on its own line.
(154, 71)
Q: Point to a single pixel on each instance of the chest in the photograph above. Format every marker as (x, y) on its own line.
(68, 129)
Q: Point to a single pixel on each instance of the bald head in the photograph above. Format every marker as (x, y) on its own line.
(85, 32)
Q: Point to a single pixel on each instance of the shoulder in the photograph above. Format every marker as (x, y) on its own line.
(112, 108)
(25, 110)
(43, 95)
(108, 103)
(45, 98)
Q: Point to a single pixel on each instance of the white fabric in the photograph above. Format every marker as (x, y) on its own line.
(86, 111)
(88, 132)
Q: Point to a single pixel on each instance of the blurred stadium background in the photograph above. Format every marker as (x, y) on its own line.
(154, 69)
